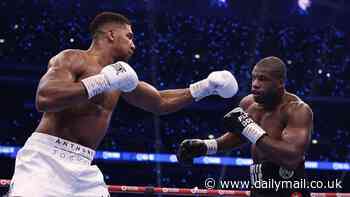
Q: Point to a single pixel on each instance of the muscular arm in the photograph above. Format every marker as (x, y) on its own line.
(289, 150)
(229, 141)
(150, 99)
(58, 89)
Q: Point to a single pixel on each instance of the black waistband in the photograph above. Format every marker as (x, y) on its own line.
(269, 170)
(269, 173)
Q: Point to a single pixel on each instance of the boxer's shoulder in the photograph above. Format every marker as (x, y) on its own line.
(69, 55)
(72, 59)
(294, 105)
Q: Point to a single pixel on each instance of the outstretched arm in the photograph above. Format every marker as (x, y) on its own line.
(228, 141)
(150, 99)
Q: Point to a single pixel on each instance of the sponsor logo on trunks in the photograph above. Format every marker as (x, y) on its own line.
(285, 173)
(256, 173)
(74, 147)
(73, 157)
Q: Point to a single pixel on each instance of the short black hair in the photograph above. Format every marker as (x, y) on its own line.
(104, 18)
(276, 65)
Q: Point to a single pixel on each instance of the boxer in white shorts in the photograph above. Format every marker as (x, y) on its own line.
(78, 94)
(52, 166)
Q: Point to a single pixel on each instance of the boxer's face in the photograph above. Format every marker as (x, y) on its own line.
(264, 85)
(123, 44)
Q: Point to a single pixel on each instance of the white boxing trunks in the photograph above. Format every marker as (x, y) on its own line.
(50, 166)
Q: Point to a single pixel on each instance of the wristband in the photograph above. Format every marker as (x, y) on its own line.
(253, 132)
(95, 84)
(212, 146)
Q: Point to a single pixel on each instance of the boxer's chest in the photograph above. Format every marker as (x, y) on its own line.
(273, 122)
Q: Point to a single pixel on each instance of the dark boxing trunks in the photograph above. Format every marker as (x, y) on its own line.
(271, 180)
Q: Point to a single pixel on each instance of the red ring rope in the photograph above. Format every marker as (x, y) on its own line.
(184, 191)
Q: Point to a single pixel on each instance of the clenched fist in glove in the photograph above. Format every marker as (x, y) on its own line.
(118, 76)
(238, 121)
(191, 148)
(221, 83)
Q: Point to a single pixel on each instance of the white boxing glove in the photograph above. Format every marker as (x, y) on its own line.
(221, 83)
(118, 76)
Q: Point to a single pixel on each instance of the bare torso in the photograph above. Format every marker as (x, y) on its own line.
(272, 121)
(87, 122)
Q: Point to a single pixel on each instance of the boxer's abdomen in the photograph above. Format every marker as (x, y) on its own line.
(85, 124)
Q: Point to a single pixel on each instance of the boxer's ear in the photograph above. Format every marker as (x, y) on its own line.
(111, 35)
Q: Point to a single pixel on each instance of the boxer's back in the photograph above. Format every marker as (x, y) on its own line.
(85, 123)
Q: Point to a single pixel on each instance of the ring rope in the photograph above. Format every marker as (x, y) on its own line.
(183, 191)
